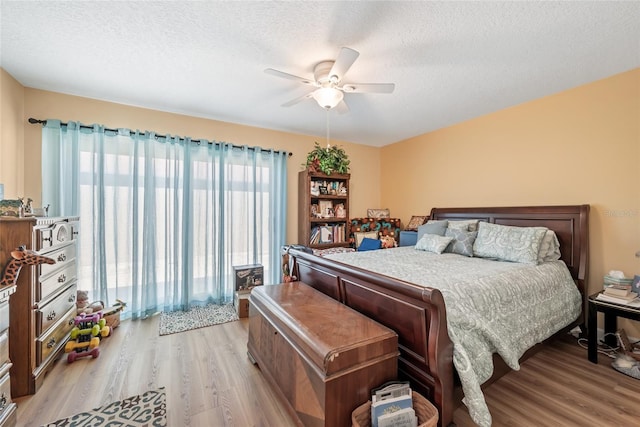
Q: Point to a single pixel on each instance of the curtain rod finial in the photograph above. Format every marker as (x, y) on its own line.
(34, 121)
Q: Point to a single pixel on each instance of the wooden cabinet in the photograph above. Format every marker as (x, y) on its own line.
(7, 407)
(323, 213)
(321, 357)
(43, 306)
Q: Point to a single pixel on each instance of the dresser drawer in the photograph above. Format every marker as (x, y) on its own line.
(50, 313)
(4, 347)
(62, 257)
(4, 316)
(5, 389)
(62, 277)
(56, 336)
(55, 234)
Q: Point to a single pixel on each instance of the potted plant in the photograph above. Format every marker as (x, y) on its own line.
(327, 160)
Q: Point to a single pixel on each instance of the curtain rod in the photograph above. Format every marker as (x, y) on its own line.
(44, 122)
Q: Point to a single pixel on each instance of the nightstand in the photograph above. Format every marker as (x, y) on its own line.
(611, 312)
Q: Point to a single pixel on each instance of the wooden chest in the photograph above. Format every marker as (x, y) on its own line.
(321, 357)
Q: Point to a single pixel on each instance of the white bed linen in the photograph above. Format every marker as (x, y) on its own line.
(492, 306)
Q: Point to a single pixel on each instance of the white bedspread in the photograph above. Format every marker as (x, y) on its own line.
(492, 307)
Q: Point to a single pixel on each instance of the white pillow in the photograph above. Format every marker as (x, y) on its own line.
(359, 235)
(433, 243)
(508, 243)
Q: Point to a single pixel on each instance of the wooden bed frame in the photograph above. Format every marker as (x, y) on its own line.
(418, 314)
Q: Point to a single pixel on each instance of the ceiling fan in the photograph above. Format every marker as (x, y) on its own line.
(327, 79)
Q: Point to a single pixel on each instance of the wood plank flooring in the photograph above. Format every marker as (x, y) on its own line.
(209, 381)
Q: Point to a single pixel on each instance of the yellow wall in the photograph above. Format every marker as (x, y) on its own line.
(23, 177)
(11, 136)
(578, 146)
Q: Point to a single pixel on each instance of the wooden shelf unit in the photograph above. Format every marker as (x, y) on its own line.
(307, 221)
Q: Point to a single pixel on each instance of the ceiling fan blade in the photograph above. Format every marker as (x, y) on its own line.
(289, 76)
(299, 99)
(342, 107)
(345, 60)
(368, 87)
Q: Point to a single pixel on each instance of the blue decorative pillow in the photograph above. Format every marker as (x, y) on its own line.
(368, 244)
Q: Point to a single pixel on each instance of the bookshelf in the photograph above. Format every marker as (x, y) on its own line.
(323, 214)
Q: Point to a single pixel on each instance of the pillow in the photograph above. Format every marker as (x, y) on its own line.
(462, 243)
(368, 244)
(466, 225)
(508, 243)
(415, 222)
(378, 213)
(549, 247)
(360, 235)
(433, 243)
(432, 227)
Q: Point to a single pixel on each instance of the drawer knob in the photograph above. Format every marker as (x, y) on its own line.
(72, 298)
(51, 343)
(62, 278)
(62, 257)
(3, 402)
(51, 316)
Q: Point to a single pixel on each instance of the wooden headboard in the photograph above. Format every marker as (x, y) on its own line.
(570, 223)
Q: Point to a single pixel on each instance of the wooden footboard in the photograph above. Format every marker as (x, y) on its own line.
(417, 315)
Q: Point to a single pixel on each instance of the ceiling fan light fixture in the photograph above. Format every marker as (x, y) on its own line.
(328, 97)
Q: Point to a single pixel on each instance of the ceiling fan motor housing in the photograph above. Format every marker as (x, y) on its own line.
(321, 73)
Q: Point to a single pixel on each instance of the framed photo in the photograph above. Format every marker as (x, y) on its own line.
(323, 190)
(326, 208)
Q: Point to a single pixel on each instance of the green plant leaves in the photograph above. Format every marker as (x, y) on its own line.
(328, 160)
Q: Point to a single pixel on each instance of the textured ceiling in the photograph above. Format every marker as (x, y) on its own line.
(450, 61)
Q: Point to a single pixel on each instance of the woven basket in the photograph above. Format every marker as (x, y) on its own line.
(427, 413)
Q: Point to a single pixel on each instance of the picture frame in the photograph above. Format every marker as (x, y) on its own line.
(323, 190)
(325, 206)
(635, 285)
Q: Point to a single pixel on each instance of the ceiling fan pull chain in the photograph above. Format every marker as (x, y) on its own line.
(327, 127)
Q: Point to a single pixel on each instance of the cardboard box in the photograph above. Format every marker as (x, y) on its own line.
(241, 303)
(248, 276)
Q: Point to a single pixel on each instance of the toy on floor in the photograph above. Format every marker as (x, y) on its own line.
(112, 314)
(85, 336)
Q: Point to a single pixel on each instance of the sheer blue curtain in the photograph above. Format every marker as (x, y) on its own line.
(163, 220)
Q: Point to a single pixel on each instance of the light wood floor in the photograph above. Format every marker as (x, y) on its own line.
(209, 381)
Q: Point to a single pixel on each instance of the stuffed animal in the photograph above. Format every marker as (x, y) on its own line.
(388, 242)
(82, 301)
(83, 305)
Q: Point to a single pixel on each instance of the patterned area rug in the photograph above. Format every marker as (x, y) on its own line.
(146, 410)
(197, 317)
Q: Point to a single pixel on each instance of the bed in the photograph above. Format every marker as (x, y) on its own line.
(418, 312)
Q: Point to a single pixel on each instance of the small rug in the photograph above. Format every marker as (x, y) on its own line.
(146, 410)
(196, 317)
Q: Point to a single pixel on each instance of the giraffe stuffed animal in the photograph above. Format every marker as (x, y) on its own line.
(20, 257)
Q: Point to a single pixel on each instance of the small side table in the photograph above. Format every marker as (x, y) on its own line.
(611, 312)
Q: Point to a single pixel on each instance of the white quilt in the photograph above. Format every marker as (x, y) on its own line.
(492, 306)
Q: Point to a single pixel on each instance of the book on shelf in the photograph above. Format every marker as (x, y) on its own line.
(326, 234)
(632, 300)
